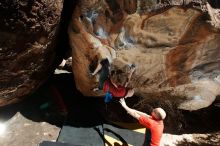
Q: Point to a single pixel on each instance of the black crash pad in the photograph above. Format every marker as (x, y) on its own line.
(85, 136)
(49, 143)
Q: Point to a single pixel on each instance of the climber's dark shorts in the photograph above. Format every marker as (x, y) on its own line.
(104, 73)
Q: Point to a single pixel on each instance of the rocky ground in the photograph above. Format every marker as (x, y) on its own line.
(21, 131)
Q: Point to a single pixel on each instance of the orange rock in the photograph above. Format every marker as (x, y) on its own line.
(169, 48)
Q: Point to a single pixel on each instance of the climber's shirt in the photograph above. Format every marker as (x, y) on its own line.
(119, 92)
(154, 130)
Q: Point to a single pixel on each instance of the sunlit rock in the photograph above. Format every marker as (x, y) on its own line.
(175, 49)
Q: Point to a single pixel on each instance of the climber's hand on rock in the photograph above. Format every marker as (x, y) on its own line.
(132, 68)
(91, 74)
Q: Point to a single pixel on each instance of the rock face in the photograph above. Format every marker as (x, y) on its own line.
(214, 15)
(27, 36)
(175, 49)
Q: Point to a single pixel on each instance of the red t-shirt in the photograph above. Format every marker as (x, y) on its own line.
(155, 127)
(119, 92)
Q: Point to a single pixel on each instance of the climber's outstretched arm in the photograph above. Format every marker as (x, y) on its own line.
(134, 113)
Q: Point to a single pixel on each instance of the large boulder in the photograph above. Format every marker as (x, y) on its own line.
(27, 30)
(175, 49)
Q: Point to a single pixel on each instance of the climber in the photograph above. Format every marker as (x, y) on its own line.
(117, 83)
(153, 123)
(105, 55)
